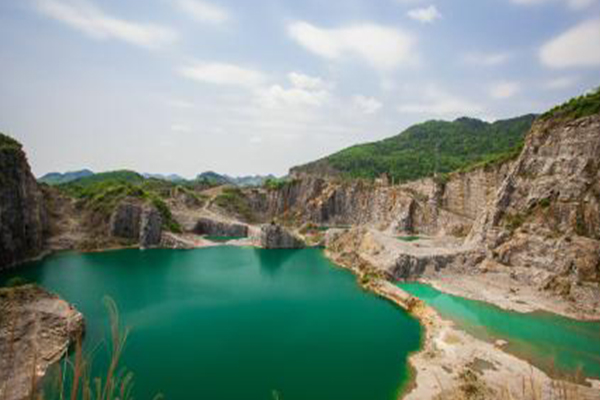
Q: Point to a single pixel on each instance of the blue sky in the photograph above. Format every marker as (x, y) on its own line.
(245, 87)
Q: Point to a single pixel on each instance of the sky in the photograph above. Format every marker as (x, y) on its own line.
(256, 87)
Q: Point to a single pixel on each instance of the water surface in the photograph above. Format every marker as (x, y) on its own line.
(230, 323)
(555, 344)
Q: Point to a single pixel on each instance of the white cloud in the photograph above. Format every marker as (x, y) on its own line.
(425, 14)
(382, 47)
(564, 82)
(366, 105)
(89, 19)
(436, 102)
(573, 4)
(504, 90)
(486, 59)
(222, 74)
(577, 47)
(203, 11)
(304, 90)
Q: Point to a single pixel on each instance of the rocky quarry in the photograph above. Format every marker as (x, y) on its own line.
(523, 234)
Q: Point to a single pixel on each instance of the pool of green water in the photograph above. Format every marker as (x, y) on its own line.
(555, 344)
(230, 323)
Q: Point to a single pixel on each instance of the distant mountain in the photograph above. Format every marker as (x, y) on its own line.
(119, 176)
(214, 178)
(56, 178)
(422, 149)
(170, 177)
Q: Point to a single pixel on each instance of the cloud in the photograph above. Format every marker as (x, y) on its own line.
(487, 59)
(425, 14)
(564, 82)
(573, 4)
(203, 11)
(577, 47)
(366, 105)
(222, 74)
(304, 90)
(437, 102)
(89, 19)
(504, 90)
(382, 47)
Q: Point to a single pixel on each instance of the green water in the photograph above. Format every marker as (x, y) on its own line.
(551, 342)
(237, 323)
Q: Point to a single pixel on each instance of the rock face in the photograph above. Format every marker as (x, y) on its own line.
(546, 215)
(137, 222)
(423, 206)
(23, 220)
(277, 237)
(210, 227)
(36, 327)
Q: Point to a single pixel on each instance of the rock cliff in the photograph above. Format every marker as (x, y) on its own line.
(36, 330)
(546, 214)
(138, 222)
(23, 221)
(277, 237)
(211, 227)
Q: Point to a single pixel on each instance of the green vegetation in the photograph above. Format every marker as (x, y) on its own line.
(6, 142)
(103, 192)
(577, 107)
(56, 178)
(433, 146)
(233, 200)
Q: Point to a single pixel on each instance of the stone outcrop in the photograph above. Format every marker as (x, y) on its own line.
(274, 236)
(36, 329)
(546, 215)
(23, 220)
(137, 222)
(211, 227)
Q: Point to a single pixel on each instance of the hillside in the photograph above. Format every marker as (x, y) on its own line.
(424, 148)
(56, 178)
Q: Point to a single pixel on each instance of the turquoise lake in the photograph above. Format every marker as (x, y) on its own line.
(555, 344)
(236, 323)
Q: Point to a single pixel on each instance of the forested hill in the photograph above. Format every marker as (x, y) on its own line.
(424, 148)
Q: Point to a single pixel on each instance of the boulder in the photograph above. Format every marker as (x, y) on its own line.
(274, 236)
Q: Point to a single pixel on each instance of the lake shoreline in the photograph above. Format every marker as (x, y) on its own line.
(445, 346)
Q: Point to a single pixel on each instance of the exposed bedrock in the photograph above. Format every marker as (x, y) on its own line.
(547, 212)
(211, 227)
(371, 249)
(137, 222)
(36, 329)
(23, 218)
(277, 237)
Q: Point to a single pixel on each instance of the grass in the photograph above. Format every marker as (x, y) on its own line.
(74, 379)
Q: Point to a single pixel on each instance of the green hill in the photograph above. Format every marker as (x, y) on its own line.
(56, 178)
(420, 150)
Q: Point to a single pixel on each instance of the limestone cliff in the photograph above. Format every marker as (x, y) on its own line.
(36, 329)
(23, 221)
(138, 222)
(546, 214)
(277, 237)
